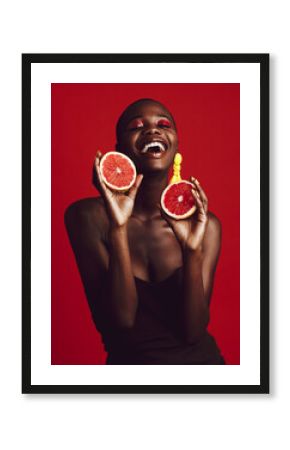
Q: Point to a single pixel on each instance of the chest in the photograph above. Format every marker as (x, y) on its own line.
(154, 250)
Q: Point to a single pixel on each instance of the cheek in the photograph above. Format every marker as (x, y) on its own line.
(133, 139)
(129, 141)
(174, 138)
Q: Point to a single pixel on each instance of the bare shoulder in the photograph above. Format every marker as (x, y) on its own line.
(214, 223)
(86, 207)
(86, 222)
(212, 238)
(87, 213)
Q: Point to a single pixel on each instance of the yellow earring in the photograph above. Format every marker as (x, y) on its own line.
(176, 168)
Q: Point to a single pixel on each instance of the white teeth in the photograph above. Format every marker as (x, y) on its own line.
(153, 144)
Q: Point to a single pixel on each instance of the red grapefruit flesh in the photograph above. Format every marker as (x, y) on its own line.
(177, 200)
(118, 171)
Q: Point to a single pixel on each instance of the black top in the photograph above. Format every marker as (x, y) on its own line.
(155, 337)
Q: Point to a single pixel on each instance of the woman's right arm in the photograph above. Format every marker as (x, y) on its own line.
(106, 270)
(120, 290)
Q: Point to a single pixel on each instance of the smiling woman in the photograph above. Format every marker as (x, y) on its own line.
(148, 278)
(147, 127)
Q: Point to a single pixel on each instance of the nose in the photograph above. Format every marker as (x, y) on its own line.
(151, 129)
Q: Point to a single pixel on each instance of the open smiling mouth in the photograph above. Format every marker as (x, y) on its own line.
(155, 147)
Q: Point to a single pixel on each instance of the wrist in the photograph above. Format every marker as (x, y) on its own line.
(118, 236)
(192, 252)
(118, 229)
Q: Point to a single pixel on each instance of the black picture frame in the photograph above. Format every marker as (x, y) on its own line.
(263, 61)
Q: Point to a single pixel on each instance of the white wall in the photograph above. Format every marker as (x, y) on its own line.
(67, 421)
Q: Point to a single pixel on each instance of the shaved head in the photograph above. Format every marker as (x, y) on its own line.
(133, 109)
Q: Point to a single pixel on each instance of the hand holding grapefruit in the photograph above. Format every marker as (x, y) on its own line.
(191, 230)
(177, 199)
(118, 184)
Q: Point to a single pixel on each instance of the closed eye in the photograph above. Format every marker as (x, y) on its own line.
(135, 128)
(135, 125)
(163, 123)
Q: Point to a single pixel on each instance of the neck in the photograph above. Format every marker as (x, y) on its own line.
(149, 195)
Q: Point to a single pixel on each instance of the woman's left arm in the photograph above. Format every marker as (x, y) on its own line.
(200, 240)
(198, 276)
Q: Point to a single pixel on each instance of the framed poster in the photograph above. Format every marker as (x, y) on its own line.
(130, 291)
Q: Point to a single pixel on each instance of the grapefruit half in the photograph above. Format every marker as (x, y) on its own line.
(118, 171)
(177, 200)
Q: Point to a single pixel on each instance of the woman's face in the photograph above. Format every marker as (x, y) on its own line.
(149, 137)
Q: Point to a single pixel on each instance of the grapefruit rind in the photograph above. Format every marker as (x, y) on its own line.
(113, 186)
(170, 213)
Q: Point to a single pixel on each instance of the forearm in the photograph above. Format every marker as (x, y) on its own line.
(121, 293)
(194, 307)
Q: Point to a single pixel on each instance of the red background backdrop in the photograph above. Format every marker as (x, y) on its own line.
(83, 120)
